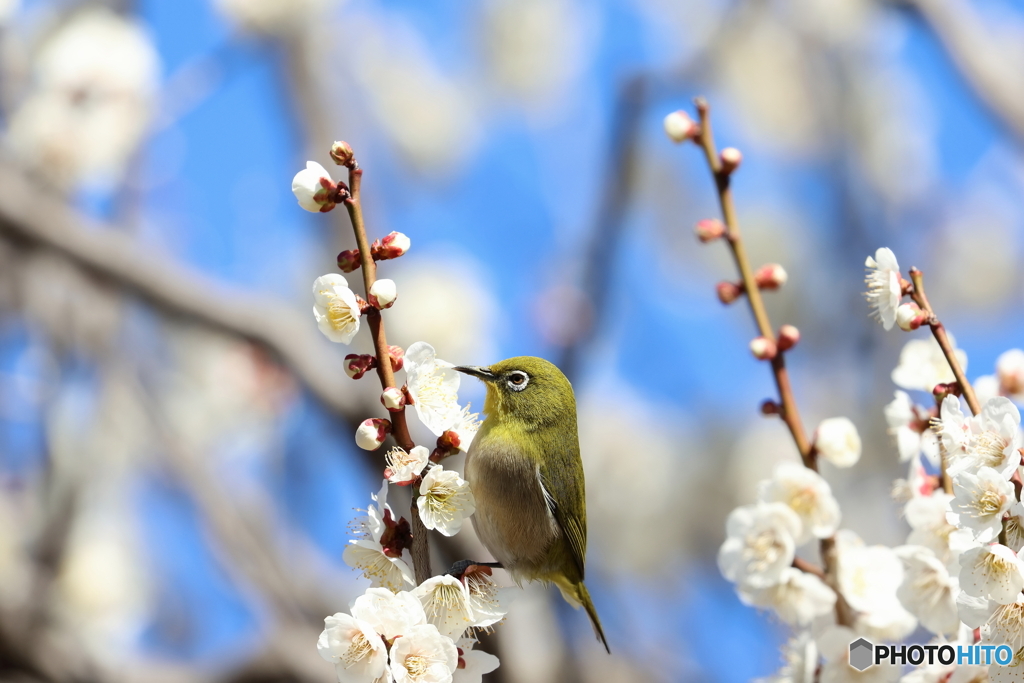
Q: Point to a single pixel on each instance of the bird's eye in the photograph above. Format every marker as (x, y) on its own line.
(518, 380)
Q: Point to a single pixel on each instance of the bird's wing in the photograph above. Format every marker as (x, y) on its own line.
(563, 500)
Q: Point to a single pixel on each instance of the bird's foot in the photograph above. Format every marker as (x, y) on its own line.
(459, 568)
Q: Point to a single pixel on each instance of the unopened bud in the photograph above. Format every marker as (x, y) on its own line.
(770, 276)
(763, 348)
(709, 229)
(393, 399)
(909, 317)
(731, 159)
(770, 407)
(397, 357)
(728, 291)
(348, 260)
(391, 246)
(941, 391)
(449, 440)
(383, 293)
(788, 337)
(356, 365)
(372, 432)
(680, 127)
(342, 154)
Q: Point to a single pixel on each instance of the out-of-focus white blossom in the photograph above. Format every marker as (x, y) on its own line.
(273, 17)
(990, 439)
(760, 544)
(798, 598)
(884, 290)
(356, 650)
(404, 466)
(928, 591)
(388, 613)
(313, 188)
(838, 442)
(986, 387)
(383, 293)
(335, 308)
(423, 655)
(869, 577)
(909, 424)
(980, 501)
(445, 500)
(993, 572)
(434, 387)
(92, 97)
(834, 645)
(1010, 372)
(473, 664)
(922, 364)
(446, 603)
(680, 126)
(930, 527)
(8, 8)
(808, 495)
(800, 661)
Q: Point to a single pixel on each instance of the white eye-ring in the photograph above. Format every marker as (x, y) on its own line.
(517, 380)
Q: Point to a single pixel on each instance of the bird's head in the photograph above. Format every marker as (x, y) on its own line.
(525, 388)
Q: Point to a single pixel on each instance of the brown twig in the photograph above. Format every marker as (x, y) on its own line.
(939, 332)
(399, 426)
(790, 412)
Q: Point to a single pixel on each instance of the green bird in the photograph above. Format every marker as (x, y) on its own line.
(525, 471)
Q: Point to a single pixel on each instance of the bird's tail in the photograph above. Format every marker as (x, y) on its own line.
(576, 595)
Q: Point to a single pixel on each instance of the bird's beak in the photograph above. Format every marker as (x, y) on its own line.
(480, 373)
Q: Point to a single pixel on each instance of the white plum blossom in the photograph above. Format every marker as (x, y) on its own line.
(760, 544)
(434, 387)
(423, 655)
(928, 591)
(931, 528)
(356, 650)
(798, 598)
(990, 439)
(834, 645)
(922, 364)
(1010, 371)
(403, 467)
(473, 664)
(488, 600)
(909, 424)
(1006, 625)
(445, 500)
(1014, 526)
(446, 603)
(366, 552)
(980, 501)
(808, 495)
(974, 612)
(335, 308)
(993, 572)
(868, 578)
(884, 289)
(313, 187)
(390, 614)
(800, 661)
(838, 442)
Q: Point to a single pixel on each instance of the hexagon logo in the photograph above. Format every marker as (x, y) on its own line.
(861, 654)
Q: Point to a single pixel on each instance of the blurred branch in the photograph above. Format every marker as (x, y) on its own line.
(980, 57)
(30, 214)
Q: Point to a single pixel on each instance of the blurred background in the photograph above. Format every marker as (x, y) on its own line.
(177, 468)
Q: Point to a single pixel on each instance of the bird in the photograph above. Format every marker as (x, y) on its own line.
(526, 475)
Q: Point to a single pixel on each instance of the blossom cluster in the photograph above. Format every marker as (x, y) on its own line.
(401, 629)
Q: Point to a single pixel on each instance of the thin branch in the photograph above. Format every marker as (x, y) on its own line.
(980, 57)
(400, 429)
(32, 215)
(790, 412)
(939, 332)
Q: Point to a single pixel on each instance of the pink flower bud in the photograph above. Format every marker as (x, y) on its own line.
(383, 294)
(356, 365)
(397, 357)
(770, 276)
(392, 245)
(393, 399)
(763, 348)
(680, 127)
(731, 159)
(728, 291)
(909, 317)
(342, 154)
(348, 260)
(709, 229)
(788, 337)
(372, 432)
